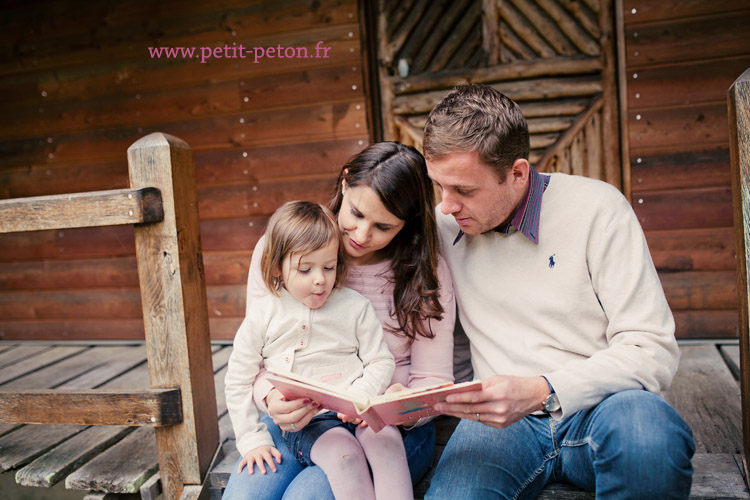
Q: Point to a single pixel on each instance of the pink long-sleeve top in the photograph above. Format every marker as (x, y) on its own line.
(423, 363)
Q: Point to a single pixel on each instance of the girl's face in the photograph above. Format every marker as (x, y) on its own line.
(366, 225)
(310, 279)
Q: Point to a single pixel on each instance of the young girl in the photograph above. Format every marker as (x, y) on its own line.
(310, 326)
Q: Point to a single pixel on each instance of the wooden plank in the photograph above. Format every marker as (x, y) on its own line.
(678, 40)
(706, 324)
(174, 305)
(100, 495)
(678, 126)
(526, 32)
(568, 25)
(684, 83)
(99, 329)
(88, 329)
(53, 466)
(640, 11)
(27, 443)
(228, 267)
(716, 475)
(545, 27)
(17, 353)
(731, 355)
(593, 138)
(692, 249)
(686, 208)
(103, 303)
(680, 167)
(156, 407)
(103, 208)
(122, 468)
(315, 121)
(700, 289)
(45, 358)
(534, 89)
(706, 396)
(151, 489)
(738, 105)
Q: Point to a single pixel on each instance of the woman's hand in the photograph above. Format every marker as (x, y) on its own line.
(502, 401)
(290, 416)
(260, 456)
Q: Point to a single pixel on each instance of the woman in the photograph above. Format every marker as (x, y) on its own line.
(384, 207)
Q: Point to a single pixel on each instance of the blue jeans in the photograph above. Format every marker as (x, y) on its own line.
(631, 445)
(292, 481)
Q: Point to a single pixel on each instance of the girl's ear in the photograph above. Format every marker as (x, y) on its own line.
(343, 184)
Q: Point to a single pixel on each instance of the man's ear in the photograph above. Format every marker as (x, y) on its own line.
(520, 172)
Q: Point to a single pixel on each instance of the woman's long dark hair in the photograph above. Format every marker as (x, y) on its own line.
(398, 174)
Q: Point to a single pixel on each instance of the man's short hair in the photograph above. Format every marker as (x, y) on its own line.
(478, 118)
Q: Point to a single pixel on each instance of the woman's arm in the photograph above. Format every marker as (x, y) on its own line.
(432, 359)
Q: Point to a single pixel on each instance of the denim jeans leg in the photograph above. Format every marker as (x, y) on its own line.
(269, 486)
(419, 444)
(632, 445)
(481, 462)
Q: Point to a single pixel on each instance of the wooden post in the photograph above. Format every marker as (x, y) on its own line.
(173, 294)
(739, 147)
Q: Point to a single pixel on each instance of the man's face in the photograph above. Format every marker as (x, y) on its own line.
(472, 192)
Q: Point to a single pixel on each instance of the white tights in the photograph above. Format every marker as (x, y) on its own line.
(344, 458)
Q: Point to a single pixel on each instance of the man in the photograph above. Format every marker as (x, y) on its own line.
(570, 331)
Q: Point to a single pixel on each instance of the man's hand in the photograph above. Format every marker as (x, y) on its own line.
(502, 401)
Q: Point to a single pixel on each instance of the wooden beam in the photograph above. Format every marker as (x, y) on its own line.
(155, 407)
(173, 294)
(526, 90)
(490, 31)
(64, 211)
(514, 71)
(738, 103)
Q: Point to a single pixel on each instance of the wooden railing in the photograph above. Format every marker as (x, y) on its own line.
(738, 102)
(181, 404)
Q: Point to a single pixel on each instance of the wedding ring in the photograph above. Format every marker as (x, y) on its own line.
(477, 417)
(294, 428)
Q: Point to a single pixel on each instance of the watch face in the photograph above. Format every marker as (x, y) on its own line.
(552, 404)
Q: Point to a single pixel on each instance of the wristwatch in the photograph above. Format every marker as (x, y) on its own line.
(551, 404)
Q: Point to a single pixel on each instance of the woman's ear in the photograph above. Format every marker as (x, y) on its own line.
(343, 184)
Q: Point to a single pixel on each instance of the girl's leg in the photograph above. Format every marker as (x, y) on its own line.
(340, 456)
(269, 486)
(387, 458)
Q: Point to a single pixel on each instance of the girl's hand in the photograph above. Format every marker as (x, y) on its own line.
(351, 420)
(258, 456)
(396, 388)
(290, 416)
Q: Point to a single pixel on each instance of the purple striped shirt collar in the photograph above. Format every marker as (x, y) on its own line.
(526, 218)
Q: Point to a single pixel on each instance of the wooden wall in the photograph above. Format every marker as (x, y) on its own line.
(678, 61)
(78, 87)
(554, 57)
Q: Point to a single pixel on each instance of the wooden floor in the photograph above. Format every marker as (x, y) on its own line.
(123, 459)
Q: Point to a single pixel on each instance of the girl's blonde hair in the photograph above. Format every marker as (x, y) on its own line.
(298, 227)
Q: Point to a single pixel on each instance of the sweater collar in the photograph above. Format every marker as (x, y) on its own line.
(526, 218)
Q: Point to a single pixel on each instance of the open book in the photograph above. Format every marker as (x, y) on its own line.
(378, 411)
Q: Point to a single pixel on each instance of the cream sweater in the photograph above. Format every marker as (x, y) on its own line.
(341, 344)
(584, 307)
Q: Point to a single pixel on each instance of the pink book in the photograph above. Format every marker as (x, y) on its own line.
(378, 411)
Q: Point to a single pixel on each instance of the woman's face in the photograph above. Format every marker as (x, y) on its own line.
(366, 225)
